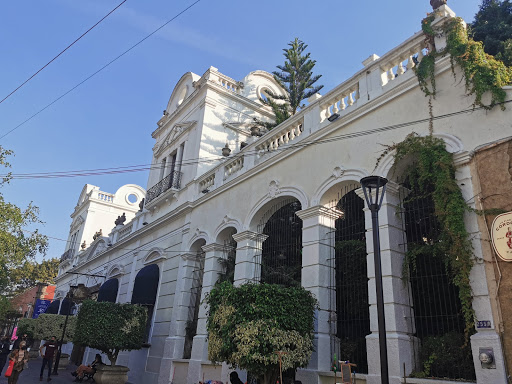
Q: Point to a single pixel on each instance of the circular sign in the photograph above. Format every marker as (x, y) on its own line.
(502, 236)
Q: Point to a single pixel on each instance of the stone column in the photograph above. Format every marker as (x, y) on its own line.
(397, 304)
(175, 343)
(485, 338)
(212, 270)
(318, 242)
(249, 247)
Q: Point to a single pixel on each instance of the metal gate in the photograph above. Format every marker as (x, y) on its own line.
(436, 308)
(280, 261)
(195, 302)
(349, 279)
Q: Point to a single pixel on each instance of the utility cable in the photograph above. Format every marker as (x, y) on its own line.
(99, 70)
(306, 143)
(61, 52)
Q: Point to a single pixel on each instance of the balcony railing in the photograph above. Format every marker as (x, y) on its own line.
(67, 255)
(172, 181)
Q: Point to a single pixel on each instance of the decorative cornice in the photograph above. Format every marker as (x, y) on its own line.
(319, 211)
(213, 247)
(249, 235)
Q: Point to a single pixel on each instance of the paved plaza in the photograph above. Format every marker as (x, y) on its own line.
(31, 375)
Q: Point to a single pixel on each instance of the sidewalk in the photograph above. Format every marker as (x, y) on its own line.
(31, 375)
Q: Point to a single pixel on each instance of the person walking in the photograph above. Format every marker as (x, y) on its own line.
(4, 352)
(20, 358)
(49, 352)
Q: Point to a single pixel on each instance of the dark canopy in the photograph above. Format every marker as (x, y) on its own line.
(53, 308)
(108, 291)
(146, 285)
(66, 307)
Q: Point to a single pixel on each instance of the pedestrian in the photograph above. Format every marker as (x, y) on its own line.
(82, 369)
(20, 358)
(234, 379)
(4, 352)
(19, 340)
(49, 352)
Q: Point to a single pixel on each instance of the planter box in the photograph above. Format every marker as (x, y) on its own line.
(106, 374)
(63, 361)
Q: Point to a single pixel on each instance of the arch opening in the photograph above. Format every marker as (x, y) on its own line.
(145, 289)
(108, 291)
(280, 261)
(436, 307)
(351, 277)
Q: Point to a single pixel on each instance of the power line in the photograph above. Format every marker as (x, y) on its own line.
(306, 143)
(61, 52)
(98, 71)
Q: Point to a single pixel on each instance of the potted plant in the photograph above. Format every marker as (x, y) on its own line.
(226, 150)
(111, 328)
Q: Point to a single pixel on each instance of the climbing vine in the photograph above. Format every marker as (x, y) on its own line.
(482, 72)
(433, 176)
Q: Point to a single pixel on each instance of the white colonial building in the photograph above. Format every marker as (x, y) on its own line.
(286, 205)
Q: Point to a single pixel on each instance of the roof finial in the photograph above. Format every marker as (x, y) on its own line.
(437, 3)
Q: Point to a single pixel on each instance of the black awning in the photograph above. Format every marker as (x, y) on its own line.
(146, 285)
(53, 308)
(108, 291)
(66, 307)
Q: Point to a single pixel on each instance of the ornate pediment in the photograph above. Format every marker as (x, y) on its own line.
(79, 220)
(174, 133)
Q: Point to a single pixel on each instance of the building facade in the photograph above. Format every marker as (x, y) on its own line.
(287, 205)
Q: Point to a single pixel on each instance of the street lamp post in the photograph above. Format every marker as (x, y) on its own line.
(77, 293)
(374, 188)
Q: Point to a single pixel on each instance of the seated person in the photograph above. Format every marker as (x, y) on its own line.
(82, 369)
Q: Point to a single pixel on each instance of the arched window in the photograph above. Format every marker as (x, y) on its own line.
(281, 259)
(144, 291)
(352, 308)
(108, 291)
(438, 318)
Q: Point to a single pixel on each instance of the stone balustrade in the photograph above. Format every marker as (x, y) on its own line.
(125, 231)
(404, 61)
(207, 182)
(280, 136)
(103, 196)
(343, 99)
(232, 167)
(230, 84)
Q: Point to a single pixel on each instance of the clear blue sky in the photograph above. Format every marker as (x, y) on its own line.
(107, 122)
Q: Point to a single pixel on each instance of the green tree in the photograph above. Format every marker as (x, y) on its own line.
(110, 327)
(248, 324)
(47, 325)
(493, 27)
(30, 273)
(16, 244)
(296, 78)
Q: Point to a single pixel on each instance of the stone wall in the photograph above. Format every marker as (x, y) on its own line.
(494, 168)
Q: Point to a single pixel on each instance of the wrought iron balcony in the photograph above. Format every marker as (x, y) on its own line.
(68, 255)
(172, 181)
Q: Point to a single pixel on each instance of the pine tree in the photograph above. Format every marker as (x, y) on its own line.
(493, 27)
(296, 78)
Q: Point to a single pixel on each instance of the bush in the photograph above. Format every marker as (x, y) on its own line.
(248, 324)
(28, 327)
(47, 326)
(110, 327)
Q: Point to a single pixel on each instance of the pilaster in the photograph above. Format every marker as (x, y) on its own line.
(318, 248)
(212, 269)
(249, 247)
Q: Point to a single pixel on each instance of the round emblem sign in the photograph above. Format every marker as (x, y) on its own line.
(502, 236)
